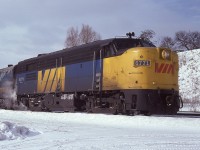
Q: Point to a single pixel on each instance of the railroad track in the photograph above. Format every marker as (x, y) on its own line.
(182, 114)
(188, 113)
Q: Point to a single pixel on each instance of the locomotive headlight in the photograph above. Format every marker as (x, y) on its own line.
(165, 54)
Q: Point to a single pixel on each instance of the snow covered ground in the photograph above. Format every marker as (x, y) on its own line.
(79, 131)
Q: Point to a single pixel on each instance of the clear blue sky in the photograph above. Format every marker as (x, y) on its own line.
(29, 27)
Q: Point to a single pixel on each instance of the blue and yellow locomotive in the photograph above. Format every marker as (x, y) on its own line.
(119, 75)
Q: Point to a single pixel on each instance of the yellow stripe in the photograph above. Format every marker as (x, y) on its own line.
(42, 81)
(50, 80)
(59, 80)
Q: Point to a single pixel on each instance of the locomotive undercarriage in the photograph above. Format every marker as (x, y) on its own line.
(149, 102)
(133, 102)
(106, 102)
(128, 102)
(52, 102)
(71, 102)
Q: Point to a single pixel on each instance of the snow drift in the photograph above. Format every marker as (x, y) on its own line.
(10, 131)
(189, 76)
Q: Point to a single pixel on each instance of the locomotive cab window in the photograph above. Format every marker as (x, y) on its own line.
(124, 44)
(109, 50)
(147, 44)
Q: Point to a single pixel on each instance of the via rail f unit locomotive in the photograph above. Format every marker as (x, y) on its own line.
(118, 75)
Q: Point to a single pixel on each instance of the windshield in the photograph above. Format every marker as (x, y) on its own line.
(124, 44)
(147, 43)
(119, 46)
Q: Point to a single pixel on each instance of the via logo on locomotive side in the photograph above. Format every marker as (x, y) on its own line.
(164, 68)
(51, 80)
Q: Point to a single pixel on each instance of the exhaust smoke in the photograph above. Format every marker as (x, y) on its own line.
(8, 96)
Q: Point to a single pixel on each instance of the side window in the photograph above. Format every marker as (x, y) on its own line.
(31, 66)
(109, 51)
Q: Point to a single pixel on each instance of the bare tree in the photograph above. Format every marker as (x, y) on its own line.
(72, 37)
(147, 34)
(188, 40)
(194, 39)
(86, 35)
(182, 39)
(168, 42)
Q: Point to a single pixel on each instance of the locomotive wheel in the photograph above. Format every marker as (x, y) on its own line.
(147, 113)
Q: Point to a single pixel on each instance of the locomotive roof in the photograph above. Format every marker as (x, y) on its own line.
(94, 46)
(71, 55)
(76, 54)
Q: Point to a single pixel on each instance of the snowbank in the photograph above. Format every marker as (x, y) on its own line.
(189, 77)
(10, 131)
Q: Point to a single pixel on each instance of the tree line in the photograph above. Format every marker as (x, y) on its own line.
(186, 40)
(85, 35)
(182, 40)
